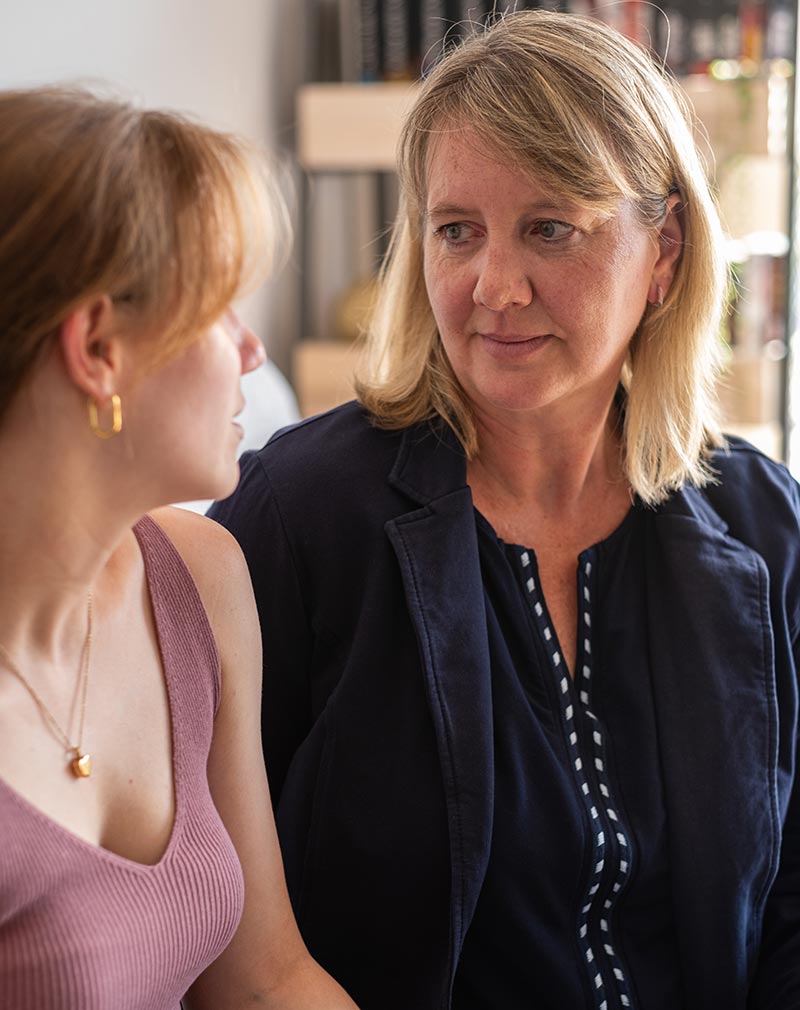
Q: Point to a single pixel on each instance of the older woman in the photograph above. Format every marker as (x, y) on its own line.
(531, 627)
(138, 856)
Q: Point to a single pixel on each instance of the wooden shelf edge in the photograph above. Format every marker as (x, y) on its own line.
(350, 127)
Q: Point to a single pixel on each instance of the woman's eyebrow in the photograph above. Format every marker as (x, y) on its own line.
(535, 207)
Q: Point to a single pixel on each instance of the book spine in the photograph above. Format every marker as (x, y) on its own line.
(701, 37)
(751, 16)
(779, 42)
(433, 25)
(582, 7)
(350, 39)
(675, 37)
(370, 40)
(396, 42)
(729, 35)
(639, 21)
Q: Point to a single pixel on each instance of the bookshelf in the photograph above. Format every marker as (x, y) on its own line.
(352, 128)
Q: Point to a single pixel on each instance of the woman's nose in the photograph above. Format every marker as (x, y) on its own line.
(502, 282)
(251, 350)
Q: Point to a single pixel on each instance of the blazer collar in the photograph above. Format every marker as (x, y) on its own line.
(430, 462)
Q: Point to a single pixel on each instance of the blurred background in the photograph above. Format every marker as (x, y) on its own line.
(323, 85)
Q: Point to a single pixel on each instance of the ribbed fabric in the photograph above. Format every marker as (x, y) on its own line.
(84, 929)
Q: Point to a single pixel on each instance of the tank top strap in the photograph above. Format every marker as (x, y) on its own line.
(185, 637)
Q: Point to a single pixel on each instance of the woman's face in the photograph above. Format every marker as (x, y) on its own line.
(535, 298)
(181, 416)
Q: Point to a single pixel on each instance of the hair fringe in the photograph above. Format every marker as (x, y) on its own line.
(168, 217)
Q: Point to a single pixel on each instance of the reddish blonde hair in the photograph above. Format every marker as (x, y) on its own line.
(168, 217)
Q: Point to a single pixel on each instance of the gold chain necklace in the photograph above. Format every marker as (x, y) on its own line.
(80, 763)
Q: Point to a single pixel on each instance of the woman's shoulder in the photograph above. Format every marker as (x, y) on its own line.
(200, 541)
(338, 449)
(749, 497)
(344, 433)
(748, 481)
(211, 555)
(758, 500)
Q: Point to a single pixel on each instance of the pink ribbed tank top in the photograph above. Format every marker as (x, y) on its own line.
(84, 929)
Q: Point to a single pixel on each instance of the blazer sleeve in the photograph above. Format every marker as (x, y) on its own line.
(254, 516)
(776, 985)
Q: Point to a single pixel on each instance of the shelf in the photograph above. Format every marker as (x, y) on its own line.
(323, 374)
(740, 117)
(350, 127)
(355, 127)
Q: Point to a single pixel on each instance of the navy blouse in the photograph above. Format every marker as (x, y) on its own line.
(575, 908)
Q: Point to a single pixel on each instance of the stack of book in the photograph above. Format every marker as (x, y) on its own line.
(401, 39)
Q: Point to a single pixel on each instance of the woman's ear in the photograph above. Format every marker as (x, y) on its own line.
(670, 247)
(91, 347)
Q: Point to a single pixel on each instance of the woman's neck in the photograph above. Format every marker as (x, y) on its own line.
(61, 524)
(550, 466)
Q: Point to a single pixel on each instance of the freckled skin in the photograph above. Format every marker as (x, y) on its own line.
(506, 258)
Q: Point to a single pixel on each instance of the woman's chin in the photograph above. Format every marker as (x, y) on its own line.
(225, 487)
(221, 486)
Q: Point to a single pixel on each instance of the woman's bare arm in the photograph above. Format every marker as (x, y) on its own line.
(266, 964)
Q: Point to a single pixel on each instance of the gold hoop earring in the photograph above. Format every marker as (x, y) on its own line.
(116, 418)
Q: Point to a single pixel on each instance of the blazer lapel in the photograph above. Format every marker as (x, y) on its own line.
(716, 712)
(437, 550)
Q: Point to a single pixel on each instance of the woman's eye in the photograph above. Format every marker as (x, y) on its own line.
(553, 229)
(454, 233)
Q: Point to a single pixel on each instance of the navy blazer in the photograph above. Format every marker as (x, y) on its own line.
(377, 712)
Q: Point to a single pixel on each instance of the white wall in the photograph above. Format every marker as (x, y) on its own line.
(220, 60)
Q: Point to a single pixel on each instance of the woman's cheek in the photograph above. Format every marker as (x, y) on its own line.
(450, 296)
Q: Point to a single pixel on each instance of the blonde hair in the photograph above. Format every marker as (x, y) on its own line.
(168, 217)
(589, 112)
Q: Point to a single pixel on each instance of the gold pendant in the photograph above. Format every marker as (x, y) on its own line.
(81, 765)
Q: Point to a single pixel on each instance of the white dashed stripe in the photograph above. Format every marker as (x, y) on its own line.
(603, 868)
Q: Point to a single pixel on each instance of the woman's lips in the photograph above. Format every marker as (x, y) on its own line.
(514, 346)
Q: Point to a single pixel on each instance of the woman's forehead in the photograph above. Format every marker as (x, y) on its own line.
(463, 166)
(462, 157)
